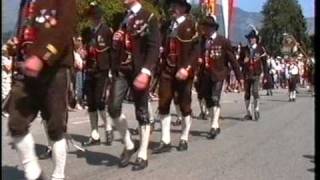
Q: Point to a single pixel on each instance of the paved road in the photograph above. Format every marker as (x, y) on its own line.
(279, 147)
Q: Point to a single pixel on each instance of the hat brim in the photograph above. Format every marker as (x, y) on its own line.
(94, 11)
(209, 21)
(212, 25)
(182, 3)
(249, 36)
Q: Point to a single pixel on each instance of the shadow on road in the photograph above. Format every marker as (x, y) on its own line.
(79, 138)
(277, 100)
(199, 133)
(304, 96)
(231, 118)
(312, 160)
(97, 158)
(12, 173)
(93, 158)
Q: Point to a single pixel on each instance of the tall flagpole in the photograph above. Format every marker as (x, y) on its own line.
(225, 15)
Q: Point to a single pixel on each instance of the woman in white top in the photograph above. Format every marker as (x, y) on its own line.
(78, 65)
(292, 74)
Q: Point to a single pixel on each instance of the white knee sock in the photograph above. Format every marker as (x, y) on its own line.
(107, 121)
(211, 114)
(216, 115)
(165, 128)
(122, 116)
(150, 111)
(248, 106)
(59, 156)
(206, 109)
(201, 104)
(178, 111)
(186, 124)
(144, 141)
(122, 126)
(256, 104)
(294, 94)
(26, 151)
(93, 116)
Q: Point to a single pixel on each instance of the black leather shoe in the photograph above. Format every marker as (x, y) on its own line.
(202, 116)
(91, 142)
(177, 122)
(247, 117)
(126, 156)
(109, 138)
(47, 154)
(183, 145)
(139, 164)
(257, 115)
(213, 133)
(163, 147)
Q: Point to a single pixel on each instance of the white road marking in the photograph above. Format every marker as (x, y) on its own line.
(80, 122)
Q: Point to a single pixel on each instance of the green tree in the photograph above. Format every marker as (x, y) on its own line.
(113, 11)
(280, 17)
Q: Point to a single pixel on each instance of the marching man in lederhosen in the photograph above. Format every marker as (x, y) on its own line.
(97, 67)
(292, 73)
(43, 51)
(216, 52)
(135, 54)
(176, 79)
(254, 63)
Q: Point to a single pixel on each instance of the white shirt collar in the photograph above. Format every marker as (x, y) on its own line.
(136, 8)
(213, 36)
(254, 46)
(180, 19)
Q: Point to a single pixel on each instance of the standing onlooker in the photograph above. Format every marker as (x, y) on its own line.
(310, 74)
(276, 76)
(301, 70)
(283, 81)
(268, 83)
(79, 53)
(6, 76)
(292, 74)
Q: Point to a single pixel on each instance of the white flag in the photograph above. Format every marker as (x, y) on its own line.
(225, 14)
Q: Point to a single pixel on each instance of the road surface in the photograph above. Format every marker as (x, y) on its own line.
(280, 146)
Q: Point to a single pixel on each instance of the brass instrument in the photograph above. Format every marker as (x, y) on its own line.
(290, 45)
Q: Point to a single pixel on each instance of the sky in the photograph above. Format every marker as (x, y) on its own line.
(308, 6)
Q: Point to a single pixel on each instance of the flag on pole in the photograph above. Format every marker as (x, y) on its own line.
(210, 6)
